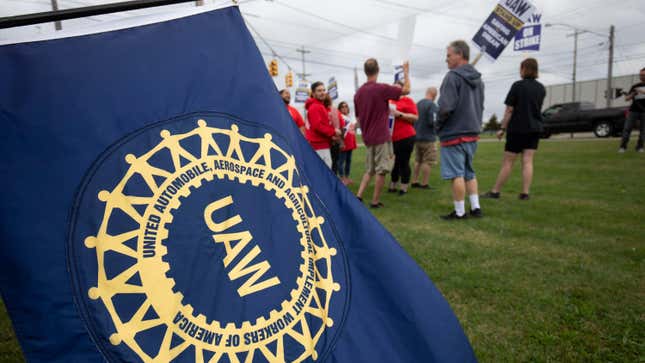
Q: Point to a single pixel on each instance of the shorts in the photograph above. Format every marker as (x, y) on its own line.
(425, 152)
(516, 143)
(380, 159)
(457, 161)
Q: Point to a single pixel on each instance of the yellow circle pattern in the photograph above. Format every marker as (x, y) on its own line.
(158, 287)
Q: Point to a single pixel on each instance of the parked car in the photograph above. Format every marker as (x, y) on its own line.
(583, 117)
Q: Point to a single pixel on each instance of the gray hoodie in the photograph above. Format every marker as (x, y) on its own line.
(461, 104)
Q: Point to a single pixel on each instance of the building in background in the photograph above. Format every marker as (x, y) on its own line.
(591, 91)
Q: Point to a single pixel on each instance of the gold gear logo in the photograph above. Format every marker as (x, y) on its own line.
(265, 337)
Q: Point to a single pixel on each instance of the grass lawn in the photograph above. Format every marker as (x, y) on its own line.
(559, 278)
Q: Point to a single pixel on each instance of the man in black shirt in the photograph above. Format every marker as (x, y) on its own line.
(636, 113)
(522, 125)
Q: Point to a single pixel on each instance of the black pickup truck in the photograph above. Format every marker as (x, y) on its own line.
(583, 117)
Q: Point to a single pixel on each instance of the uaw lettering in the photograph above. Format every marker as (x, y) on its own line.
(530, 36)
(221, 155)
(235, 244)
(500, 27)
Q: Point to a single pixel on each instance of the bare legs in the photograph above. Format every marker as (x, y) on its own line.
(422, 170)
(527, 170)
(507, 167)
(460, 187)
(505, 171)
(364, 183)
(378, 187)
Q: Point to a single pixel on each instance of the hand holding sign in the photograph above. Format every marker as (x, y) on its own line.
(501, 26)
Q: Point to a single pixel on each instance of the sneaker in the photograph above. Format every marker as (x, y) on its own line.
(453, 216)
(377, 205)
(427, 187)
(640, 150)
(391, 190)
(476, 213)
(415, 185)
(523, 196)
(621, 150)
(491, 195)
(402, 193)
(359, 199)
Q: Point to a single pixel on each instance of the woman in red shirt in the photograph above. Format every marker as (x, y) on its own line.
(406, 115)
(345, 158)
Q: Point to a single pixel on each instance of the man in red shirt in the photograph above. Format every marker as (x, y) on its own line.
(295, 115)
(320, 131)
(372, 110)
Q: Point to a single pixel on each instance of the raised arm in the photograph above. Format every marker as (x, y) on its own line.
(406, 78)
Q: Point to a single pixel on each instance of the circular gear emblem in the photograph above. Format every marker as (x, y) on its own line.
(197, 240)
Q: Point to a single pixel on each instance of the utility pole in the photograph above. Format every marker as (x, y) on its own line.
(610, 68)
(199, 2)
(355, 79)
(303, 51)
(57, 23)
(576, 32)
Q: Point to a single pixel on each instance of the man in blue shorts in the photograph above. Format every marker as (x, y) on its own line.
(460, 119)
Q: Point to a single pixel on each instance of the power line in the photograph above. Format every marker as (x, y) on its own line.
(354, 29)
(431, 11)
(274, 53)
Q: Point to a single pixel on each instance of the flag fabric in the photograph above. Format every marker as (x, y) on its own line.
(158, 204)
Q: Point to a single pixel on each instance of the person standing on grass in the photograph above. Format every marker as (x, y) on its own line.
(636, 112)
(522, 125)
(461, 106)
(338, 122)
(345, 158)
(425, 142)
(320, 131)
(295, 115)
(405, 115)
(373, 110)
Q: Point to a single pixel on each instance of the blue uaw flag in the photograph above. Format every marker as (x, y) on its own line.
(159, 205)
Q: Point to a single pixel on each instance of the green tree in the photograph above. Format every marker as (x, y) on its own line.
(492, 124)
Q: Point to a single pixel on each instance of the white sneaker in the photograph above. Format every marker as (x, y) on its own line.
(640, 150)
(621, 150)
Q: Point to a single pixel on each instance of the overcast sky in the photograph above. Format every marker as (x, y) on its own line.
(340, 35)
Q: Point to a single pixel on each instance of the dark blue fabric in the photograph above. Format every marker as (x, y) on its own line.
(72, 109)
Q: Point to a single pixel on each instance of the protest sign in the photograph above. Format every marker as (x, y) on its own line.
(530, 36)
(500, 27)
(332, 88)
(302, 92)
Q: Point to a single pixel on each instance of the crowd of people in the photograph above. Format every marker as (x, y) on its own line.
(393, 126)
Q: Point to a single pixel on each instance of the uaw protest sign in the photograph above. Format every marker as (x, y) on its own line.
(530, 36)
(500, 27)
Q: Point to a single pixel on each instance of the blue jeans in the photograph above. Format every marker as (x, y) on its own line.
(344, 163)
(629, 125)
(457, 161)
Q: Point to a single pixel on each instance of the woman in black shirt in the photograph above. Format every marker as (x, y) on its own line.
(522, 125)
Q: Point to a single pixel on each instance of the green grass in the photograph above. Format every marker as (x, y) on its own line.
(559, 278)
(9, 348)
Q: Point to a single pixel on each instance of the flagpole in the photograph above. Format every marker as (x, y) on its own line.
(82, 12)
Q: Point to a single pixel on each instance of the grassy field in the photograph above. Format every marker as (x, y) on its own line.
(559, 278)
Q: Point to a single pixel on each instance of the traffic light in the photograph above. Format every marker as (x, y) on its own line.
(273, 68)
(288, 79)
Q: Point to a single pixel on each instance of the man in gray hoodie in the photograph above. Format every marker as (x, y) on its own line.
(458, 126)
